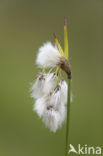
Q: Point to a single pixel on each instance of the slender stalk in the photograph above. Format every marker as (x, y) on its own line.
(68, 118)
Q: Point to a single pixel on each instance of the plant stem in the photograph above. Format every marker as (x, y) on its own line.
(68, 118)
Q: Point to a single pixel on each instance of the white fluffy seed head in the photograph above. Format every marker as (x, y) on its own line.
(50, 83)
(51, 119)
(50, 97)
(59, 96)
(55, 98)
(52, 107)
(55, 110)
(64, 91)
(40, 106)
(48, 55)
(62, 111)
(37, 87)
(44, 84)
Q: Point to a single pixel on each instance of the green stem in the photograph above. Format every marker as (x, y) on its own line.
(68, 119)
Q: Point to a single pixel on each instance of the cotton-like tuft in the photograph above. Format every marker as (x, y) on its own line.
(49, 91)
(44, 84)
(37, 87)
(64, 91)
(51, 118)
(50, 83)
(40, 106)
(52, 108)
(59, 96)
(62, 111)
(48, 55)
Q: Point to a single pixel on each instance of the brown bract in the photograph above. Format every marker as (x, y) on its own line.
(65, 66)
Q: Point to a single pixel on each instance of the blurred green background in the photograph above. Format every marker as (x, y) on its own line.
(24, 27)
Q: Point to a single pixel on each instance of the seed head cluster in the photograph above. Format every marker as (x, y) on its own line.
(49, 91)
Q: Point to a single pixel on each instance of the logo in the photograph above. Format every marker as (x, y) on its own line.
(85, 149)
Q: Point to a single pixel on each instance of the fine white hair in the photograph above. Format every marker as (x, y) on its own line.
(64, 91)
(48, 55)
(53, 118)
(52, 107)
(44, 84)
(59, 96)
(50, 83)
(39, 106)
(50, 95)
(37, 87)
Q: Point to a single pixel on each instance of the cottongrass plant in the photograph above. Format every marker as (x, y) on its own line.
(50, 91)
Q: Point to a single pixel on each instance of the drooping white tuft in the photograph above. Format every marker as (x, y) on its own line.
(62, 111)
(51, 118)
(55, 110)
(37, 87)
(50, 83)
(64, 91)
(48, 55)
(51, 100)
(44, 84)
(40, 106)
(59, 96)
